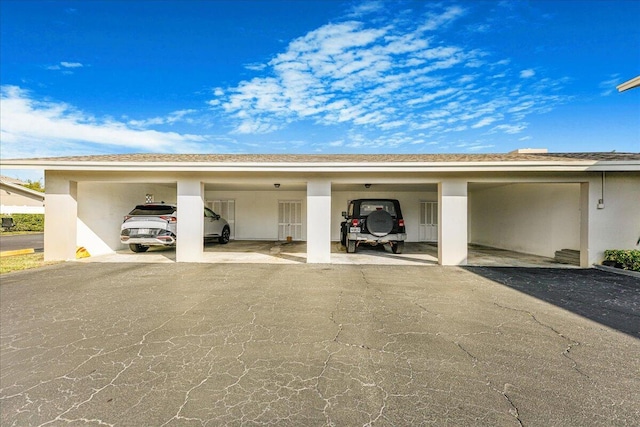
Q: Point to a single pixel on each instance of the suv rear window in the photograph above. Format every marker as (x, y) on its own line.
(152, 210)
(377, 205)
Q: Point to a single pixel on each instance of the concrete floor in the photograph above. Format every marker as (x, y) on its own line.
(269, 252)
(139, 344)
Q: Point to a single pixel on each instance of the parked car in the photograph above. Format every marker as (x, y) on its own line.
(373, 222)
(155, 224)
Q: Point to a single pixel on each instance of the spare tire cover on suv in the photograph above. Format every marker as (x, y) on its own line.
(379, 223)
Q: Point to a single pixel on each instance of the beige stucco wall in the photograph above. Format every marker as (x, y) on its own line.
(12, 202)
(257, 211)
(617, 226)
(102, 207)
(537, 219)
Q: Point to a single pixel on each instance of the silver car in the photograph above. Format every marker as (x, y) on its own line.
(154, 224)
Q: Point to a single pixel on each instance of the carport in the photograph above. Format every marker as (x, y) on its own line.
(492, 200)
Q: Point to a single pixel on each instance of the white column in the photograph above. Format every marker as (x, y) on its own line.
(319, 221)
(585, 258)
(190, 226)
(452, 232)
(61, 223)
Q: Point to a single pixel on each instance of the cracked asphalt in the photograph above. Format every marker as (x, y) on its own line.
(318, 345)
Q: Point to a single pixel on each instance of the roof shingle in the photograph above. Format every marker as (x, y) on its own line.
(343, 158)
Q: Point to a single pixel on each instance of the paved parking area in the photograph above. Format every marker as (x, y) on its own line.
(130, 344)
(270, 252)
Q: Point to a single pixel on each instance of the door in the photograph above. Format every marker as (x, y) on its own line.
(290, 220)
(428, 222)
(226, 209)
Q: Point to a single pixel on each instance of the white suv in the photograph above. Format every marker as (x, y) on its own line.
(154, 224)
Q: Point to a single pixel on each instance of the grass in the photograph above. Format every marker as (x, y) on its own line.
(9, 264)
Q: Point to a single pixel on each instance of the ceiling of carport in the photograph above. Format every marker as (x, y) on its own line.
(302, 186)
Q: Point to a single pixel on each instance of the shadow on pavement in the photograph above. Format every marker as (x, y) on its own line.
(610, 299)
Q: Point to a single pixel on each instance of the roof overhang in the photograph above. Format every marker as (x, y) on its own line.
(630, 84)
(335, 163)
(327, 167)
(23, 191)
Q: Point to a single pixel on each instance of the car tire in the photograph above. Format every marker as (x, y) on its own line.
(224, 237)
(351, 246)
(397, 247)
(343, 238)
(379, 223)
(138, 248)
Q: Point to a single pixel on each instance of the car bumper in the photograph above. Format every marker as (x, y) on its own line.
(365, 237)
(149, 241)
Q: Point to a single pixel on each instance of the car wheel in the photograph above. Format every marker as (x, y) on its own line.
(351, 246)
(379, 223)
(343, 238)
(224, 237)
(138, 248)
(397, 247)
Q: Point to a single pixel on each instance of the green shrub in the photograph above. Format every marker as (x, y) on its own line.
(627, 259)
(27, 222)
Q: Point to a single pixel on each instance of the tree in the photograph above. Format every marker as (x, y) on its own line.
(34, 185)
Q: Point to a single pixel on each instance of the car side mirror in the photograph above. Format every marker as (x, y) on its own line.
(344, 214)
(216, 217)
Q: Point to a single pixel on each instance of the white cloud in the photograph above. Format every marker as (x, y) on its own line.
(256, 66)
(484, 122)
(40, 126)
(64, 66)
(381, 74)
(510, 129)
(525, 74)
(437, 20)
(608, 86)
(365, 8)
(171, 118)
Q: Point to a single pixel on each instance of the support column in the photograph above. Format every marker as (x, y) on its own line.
(585, 205)
(190, 226)
(61, 213)
(452, 232)
(319, 222)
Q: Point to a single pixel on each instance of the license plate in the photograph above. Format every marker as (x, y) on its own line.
(143, 231)
(354, 229)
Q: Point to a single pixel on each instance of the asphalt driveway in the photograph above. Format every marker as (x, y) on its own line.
(303, 345)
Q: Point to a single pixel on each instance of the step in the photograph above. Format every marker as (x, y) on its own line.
(568, 256)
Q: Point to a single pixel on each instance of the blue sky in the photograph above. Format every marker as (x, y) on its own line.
(101, 77)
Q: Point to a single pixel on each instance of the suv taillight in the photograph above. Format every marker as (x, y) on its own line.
(170, 219)
(355, 222)
(401, 223)
(127, 217)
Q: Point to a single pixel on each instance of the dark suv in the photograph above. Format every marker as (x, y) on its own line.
(373, 222)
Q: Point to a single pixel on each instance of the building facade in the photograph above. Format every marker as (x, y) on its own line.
(531, 202)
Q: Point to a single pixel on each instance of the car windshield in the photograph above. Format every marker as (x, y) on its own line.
(377, 205)
(152, 210)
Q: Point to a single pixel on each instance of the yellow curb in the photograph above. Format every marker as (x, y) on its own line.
(17, 252)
